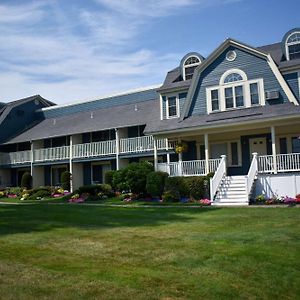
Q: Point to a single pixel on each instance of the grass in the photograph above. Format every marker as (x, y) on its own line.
(83, 252)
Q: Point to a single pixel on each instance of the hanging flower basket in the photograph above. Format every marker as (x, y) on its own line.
(181, 148)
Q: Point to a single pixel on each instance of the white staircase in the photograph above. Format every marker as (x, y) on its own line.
(232, 191)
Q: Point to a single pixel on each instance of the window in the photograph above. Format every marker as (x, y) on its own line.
(295, 145)
(189, 67)
(293, 46)
(231, 149)
(235, 91)
(283, 146)
(254, 93)
(172, 111)
(215, 100)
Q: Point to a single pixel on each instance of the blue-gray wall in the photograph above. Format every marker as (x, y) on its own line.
(19, 119)
(293, 83)
(102, 103)
(253, 66)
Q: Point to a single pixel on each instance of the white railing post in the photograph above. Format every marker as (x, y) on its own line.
(218, 177)
(117, 149)
(206, 145)
(155, 154)
(31, 157)
(71, 163)
(252, 173)
(273, 138)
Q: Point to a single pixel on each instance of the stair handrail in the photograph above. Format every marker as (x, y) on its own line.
(252, 173)
(218, 177)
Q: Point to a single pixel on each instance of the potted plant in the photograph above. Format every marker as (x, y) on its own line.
(181, 147)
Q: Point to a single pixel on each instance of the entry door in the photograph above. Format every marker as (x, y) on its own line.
(258, 145)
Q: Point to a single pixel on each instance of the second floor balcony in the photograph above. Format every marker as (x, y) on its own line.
(86, 150)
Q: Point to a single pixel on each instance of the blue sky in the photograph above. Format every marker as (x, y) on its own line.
(68, 50)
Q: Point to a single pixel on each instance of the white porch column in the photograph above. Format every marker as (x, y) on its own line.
(206, 145)
(117, 149)
(273, 138)
(71, 163)
(31, 158)
(180, 160)
(155, 154)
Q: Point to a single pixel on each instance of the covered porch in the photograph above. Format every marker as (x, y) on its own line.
(277, 147)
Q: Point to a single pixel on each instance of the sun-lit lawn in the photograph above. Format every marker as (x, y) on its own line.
(89, 252)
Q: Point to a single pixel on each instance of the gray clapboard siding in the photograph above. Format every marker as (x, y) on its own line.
(102, 103)
(254, 67)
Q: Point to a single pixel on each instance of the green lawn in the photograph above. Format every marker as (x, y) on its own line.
(84, 252)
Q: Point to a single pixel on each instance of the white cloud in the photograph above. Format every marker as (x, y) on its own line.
(65, 54)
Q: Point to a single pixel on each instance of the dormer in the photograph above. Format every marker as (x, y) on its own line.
(291, 44)
(189, 63)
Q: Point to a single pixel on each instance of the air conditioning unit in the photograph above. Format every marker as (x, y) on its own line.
(270, 95)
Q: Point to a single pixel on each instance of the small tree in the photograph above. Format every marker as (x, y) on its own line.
(26, 181)
(65, 180)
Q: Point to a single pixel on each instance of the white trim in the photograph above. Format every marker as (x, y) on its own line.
(161, 107)
(281, 80)
(177, 106)
(191, 65)
(246, 94)
(128, 92)
(299, 84)
(290, 44)
(228, 72)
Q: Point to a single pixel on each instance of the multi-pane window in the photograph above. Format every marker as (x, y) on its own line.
(172, 107)
(215, 100)
(254, 93)
(295, 145)
(189, 67)
(234, 96)
(235, 91)
(293, 46)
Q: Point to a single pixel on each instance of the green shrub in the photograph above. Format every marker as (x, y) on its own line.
(178, 184)
(196, 187)
(65, 180)
(26, 181)
(42, 193)
(133, 177)
(95, 189)
(14, 190)
(108, 177)
(171, 196)
(155, 183)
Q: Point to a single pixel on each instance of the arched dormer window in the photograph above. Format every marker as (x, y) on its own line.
(292, 46)
(189, 67)
(189, 63)
(234, 91)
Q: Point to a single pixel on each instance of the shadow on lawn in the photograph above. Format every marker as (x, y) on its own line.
(29, 218)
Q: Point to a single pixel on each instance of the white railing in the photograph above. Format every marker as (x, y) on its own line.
(50, 154)
(94, 149)
(188, 168)
(284, 162)
(137, 144)
(218, 177)
(143, 144)
(252, 173)
(19, 157)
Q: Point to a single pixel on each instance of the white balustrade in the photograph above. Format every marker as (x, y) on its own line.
(94, 149)
(252, 173)
(188, 168)
(50, 154)
(285, 163)
(218, 177)
(19, 157)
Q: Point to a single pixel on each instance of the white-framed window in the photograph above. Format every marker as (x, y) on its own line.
(189, 67)
(172, 106)
(235, 91)
(292, 46)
